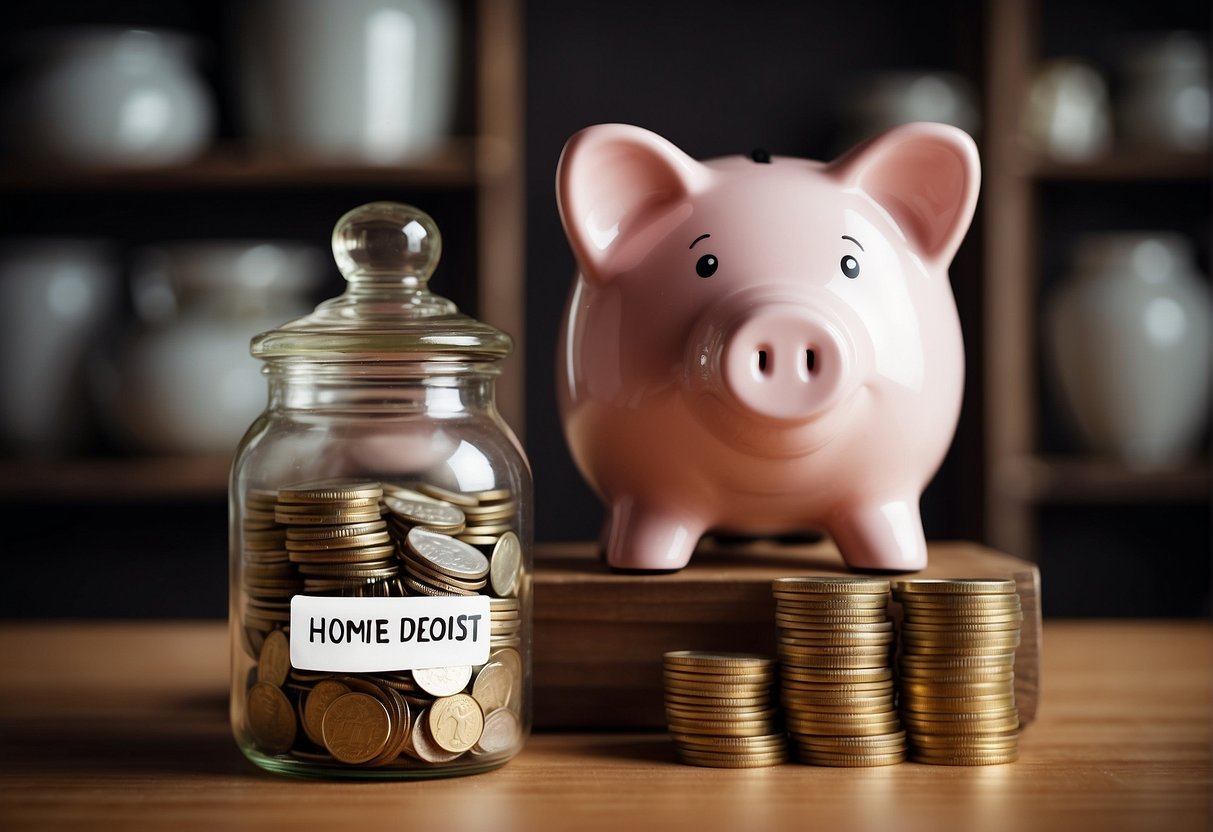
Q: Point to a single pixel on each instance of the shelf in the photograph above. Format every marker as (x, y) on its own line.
(116, 479)
(461, 162)
(1118, 166)
(1061, 480)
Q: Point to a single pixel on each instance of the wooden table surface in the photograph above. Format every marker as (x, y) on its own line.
(124, 726)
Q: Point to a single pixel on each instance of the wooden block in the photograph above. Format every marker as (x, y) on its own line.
(600, 636)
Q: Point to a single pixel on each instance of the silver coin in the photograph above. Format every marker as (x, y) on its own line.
(415, 512)
(447, 555)
(505, 565)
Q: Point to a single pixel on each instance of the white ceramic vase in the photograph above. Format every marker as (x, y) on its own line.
(362, 80)
(1127, 339)
(100, 96)
(56, 297)
(183, 381)
(1166, 99)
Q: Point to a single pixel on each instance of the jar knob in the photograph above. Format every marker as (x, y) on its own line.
(387, 240)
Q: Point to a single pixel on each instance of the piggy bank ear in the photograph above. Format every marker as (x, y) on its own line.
(926, 176)
(620, 189)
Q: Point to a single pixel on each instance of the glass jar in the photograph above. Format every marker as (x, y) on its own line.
(381, 530)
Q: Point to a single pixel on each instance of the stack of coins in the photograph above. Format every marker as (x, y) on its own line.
(488, 514)
(355, 538)
(505, 625)
(336, 539)
(957, 669)
(441, 565)
(721, 710)
(269, 579)
(835, 643)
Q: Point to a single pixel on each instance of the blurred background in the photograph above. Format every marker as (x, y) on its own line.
(171, 171)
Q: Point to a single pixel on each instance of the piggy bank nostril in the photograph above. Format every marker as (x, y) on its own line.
(762, 362)
(811, 361)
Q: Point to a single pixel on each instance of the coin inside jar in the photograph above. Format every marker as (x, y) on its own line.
(355, 728)
(440, 517)
(443, 681)
(271, 719)
(505, 564)
(449, 556)
(456, 722)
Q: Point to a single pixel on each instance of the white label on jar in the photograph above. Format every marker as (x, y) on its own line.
(366, 635)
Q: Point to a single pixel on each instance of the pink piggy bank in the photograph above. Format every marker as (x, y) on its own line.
(763, 344)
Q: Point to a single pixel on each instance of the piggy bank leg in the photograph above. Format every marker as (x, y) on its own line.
(650, 538)
(886, 536)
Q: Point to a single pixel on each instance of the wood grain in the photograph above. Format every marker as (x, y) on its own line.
(599, 636)
(124, 727)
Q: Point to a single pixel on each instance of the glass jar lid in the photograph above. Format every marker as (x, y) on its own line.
(386, 251)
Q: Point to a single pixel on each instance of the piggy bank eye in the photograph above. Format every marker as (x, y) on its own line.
(706, 266)
(850, 266)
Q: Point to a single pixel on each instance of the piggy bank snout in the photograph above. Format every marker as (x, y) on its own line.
(785, 362)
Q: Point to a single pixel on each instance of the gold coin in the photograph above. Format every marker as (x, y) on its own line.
(356, 727)
(878, 602)
(992, 722)
(456, 722)
(740, 729)
(933, 707)
(456, 498)
(712, 689)
(317, 702)
(691, 713)
(512, 661)
(966, 759)
(915, 688)
(361, 504)
(423, 589)
(895, 739)
(850, 760)
(706, 742)
(719, 661)
(708, 760)
(270, 718)
(392, 490)
(363, 554)
(955, 586)
(878, 623)
(299, 536)
(330, 490)
(997, 662)
(493, 686)
(719, 701)
(275, 660)
(340, 518)
(423, 746)
(960, 606)
(443, 681)
(505, 564)
(851, 728)
(720, 678)
(501, 733)
(829, 585)
(432, 577)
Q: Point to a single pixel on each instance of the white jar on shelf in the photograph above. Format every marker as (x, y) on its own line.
(359, 80)
(1166, 100)
(110, 96)
(1127, 338)
(182, 380)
